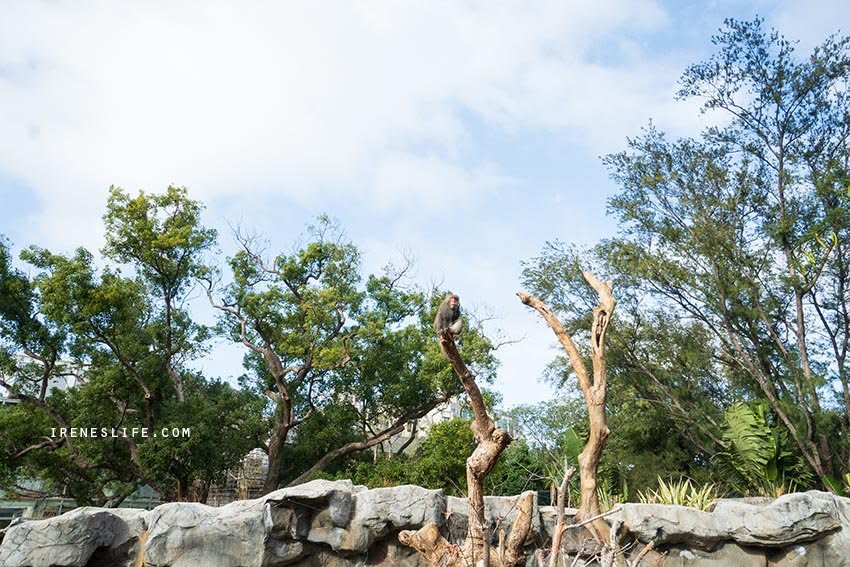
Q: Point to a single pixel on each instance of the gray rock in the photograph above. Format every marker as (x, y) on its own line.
(335, 495)
(283, 552)
(190, 535)
(337, 524)
(84, 537)
(832, 550)
(382, 511)
(499, 512)
(574, 541)
(549, 517)
(725, 555)
(319, 511)
(788, 520)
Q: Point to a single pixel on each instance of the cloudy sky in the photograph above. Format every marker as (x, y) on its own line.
(465, 134)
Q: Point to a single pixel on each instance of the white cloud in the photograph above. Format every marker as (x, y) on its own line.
(811, 22)
(300, 99)
(417, 183)
(258, 104)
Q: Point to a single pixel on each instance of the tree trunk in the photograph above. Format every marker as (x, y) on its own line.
(491, 442)
(283, 418)
(594, 390)
(169, 350)
(276, 442)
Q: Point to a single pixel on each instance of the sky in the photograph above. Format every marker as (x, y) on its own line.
(463, 134)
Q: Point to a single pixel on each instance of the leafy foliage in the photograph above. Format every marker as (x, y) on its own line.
(325, 347)
(740, 232)
(840, 487)
(731, 274)
(121, 345)
(440, 462)
(760, 453)
(681, 493)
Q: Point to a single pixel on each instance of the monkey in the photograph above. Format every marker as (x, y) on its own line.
(448, 315)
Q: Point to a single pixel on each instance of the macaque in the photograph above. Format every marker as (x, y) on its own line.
(448, 315)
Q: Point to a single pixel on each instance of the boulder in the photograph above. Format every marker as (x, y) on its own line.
(500, 512)
(276, 529)
(724, 555)
(788, 520)
(316, 512)
(383, 511)
(574, 541)
(182, 534)
(84, 537)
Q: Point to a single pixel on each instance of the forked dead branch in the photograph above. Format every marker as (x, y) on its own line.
(594, 387)
(491, 441)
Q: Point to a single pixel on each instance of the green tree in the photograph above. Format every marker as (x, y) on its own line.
(318, 338)
(665, 403)
(381, 473)
(162, 237)
(743, 231)
(42, 346)
(440, 462)
(225, 425)
(519, 468)
(552, 424)
(24, 331)
(120, 341)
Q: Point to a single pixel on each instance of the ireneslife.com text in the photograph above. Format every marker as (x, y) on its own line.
(107, 432)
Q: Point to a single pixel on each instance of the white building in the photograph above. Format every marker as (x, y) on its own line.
(63, 378)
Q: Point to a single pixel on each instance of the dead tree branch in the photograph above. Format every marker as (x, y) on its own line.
(594, 388)
(560, 525)
(491, 441)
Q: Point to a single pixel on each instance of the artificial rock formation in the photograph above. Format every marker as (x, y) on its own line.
(809, 528)
(337, 524)
(318, 523)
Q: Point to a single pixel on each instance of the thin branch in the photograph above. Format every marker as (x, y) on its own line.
(613, 510)
(560, 525)
(394, 429)
(646, 549)
(411, 439)
(243, 324)
(48, 442)
(563, 336)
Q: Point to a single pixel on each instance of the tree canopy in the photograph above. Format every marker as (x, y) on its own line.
(727, 362)
(337, 362)
(731, 259)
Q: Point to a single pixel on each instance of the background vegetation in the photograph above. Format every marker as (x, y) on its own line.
(727, 355)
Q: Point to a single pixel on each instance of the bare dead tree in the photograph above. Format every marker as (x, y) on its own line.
(491, 441)
(594, 388)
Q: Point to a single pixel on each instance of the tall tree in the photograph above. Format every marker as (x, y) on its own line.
(117, 337)
(324, 346)
(740, 230)
(163, 238)
(666, 390)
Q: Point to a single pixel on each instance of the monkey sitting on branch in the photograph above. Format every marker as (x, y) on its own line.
(448, 316)
(490, 441)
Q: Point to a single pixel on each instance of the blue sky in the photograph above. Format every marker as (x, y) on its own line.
(463, 133)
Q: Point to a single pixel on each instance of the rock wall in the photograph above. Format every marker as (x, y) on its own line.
(337, 524)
